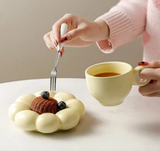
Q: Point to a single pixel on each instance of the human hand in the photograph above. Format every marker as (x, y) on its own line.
(152, 72)
(80, 32)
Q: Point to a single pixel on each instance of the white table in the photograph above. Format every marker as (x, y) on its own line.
(131, 126)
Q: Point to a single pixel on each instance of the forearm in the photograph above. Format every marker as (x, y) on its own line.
(126, 21)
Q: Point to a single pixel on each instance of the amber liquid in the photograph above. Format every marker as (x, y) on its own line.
(107, 74)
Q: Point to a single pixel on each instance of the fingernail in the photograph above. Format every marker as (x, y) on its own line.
(51, 48)
(64, 39)
(60, 54)
(143, 63)
(56, 43)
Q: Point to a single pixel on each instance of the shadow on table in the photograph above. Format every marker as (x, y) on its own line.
(148, 128)
(85, 126)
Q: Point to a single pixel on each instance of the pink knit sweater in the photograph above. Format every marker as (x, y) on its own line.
(129, 19)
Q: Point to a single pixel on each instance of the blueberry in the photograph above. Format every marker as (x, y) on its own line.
(45, 95)
(61, 105)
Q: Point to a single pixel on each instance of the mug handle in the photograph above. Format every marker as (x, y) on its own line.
(135, 71)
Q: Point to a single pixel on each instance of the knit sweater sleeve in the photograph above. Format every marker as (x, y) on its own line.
(126, 21)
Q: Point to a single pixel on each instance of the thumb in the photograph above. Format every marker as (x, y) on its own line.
(72, 34)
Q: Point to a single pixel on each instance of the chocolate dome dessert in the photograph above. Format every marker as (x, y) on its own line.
(44, 104)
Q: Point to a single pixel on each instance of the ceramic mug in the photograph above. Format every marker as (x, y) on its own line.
(112, 90)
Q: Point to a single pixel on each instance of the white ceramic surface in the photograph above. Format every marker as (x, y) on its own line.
(29, 120)
(112, 90)
(132, 126)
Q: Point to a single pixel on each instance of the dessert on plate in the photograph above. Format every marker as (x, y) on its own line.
(46, 111)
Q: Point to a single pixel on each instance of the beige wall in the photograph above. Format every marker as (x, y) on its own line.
(23, 54)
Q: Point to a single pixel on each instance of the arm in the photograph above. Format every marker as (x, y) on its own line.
(126, 21)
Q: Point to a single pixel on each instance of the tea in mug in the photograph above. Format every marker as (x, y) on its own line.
(107, 74)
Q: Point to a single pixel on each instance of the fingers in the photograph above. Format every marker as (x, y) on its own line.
(53, 39)
(55, 34)
(77, 28)
(154, 64)
(69, 20)
(48, 42)
(76, 35)
(72, 35)
(62, 52)
(156, 94)
(78, 43)
(149, 88)
(50, 45)
(150, 73)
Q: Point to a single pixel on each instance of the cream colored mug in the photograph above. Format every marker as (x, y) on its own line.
(112, 90)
